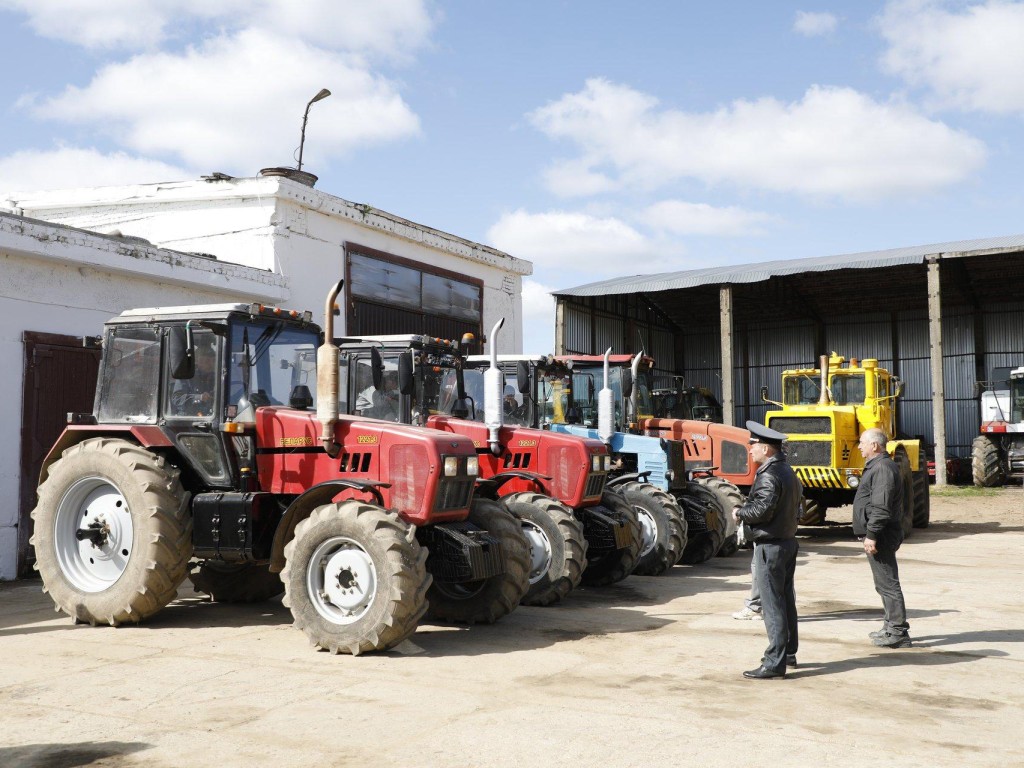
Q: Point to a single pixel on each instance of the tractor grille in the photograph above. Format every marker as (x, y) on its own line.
(801, 425)
(808, 453)
(820, 477)
(454, 494)
(595, 485)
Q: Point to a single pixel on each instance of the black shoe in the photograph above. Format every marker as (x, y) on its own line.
(791, 660)
(892, 641)
(762, 674)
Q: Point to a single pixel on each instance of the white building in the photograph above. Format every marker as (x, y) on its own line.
(72, 259)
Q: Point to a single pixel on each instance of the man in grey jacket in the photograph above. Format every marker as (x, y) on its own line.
(877, 513)
(770, 514)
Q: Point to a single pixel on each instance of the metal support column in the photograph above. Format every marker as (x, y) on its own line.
(728, 399)
(560, 326)
(938, 386)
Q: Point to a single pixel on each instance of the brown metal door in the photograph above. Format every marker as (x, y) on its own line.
(60, 377)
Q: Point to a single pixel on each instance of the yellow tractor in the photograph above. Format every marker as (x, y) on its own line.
(824, 411)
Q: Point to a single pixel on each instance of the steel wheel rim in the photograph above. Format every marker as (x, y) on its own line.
(341, 580)
(540, 550)
(648, 530)
(88, 566)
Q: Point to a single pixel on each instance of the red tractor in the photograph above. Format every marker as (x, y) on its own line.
(554, 484)
(203, 445)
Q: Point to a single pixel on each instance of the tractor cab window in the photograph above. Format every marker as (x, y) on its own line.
(644, 400)
(514, 406)
(585, 384)
(848, 389)
(800, 390)
(1016, 401)
(882, 386)
(270, 363)
(130, 377)
(374, 403)
(196, 398)
(448, 397)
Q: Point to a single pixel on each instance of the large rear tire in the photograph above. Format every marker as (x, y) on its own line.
(907, 479)
(611, 566)
(487, 600)
(235, 582)
(922, 496)
(987, 466)
(812, 512)
(355, 578)
(558, 548)
(705, 520)
(113, 535)
(729, 497)
(661, 524)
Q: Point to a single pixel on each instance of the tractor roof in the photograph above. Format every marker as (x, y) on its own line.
(209, 312)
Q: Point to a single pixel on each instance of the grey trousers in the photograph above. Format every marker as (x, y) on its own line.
(753, 601)
(886, 574)
(774, 571)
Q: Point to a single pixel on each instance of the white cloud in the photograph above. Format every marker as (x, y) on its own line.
(812, 24)
(835, 142)
(389, 27)
(682, 218)
(71, 167)
(235, 103)
(578, 246)
(970, 59)
(573, 177)
(538, 318)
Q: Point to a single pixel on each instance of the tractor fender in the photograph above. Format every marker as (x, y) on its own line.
(638, 477)
(303, 506)
(146, 435)
(912, 448)
(488, 487)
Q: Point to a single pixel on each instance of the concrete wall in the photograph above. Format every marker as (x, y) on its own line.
(55, 279)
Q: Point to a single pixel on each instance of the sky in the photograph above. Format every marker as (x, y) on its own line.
(594, 139)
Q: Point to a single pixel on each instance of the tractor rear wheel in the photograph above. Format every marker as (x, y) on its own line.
(729, 497)
(235, 582)
(113, 535)
(907, 479)
(611, 566)
(812, 512)
(355, 578)
(922, 496)
(987, 462)
(558, 548)
(705, 520)
(661, 524)
(487, 600)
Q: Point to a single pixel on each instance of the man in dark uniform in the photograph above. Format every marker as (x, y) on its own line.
(770, 515)
(877, 513)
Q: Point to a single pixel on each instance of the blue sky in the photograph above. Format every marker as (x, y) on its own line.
(594, 139)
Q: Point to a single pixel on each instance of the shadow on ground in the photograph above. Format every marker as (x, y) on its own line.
(70, 755)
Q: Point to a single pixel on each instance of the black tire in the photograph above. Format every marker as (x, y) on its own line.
(922, 495)
(487, 600)
(729, 497)
(355, 578)
(987, 466)
(612, 566)
(558, 548)
(907, 479)
(812, 512)
(705, 520)
(661, 524)
(235, 582)
(140, 555)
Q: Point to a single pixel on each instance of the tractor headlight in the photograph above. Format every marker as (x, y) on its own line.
(596, 462)
(451, 466)
(473, 466)
(853, 481)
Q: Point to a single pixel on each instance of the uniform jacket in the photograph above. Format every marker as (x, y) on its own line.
(878, 504)
(773, 503)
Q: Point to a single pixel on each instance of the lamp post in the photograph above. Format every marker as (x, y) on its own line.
(323, 94)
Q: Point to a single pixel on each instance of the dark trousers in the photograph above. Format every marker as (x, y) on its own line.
(774, 569)
(886, 574)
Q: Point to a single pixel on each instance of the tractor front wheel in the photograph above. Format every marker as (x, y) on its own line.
(355, 578)
(113, 535)
(922, 497)
(487, 600)
(987, 466)
(705, 520)
(558, 548)
(812, 512)
(662, 525)
(907, 479)
(613, 565)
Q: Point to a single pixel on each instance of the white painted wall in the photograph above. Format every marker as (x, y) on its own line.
(54, 279)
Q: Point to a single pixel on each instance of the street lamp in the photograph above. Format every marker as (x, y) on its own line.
(323, 94)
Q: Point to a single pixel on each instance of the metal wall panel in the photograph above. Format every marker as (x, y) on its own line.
(663, 348)
(608, 333)
(577, 328)
(1004, 328)
(862, 337)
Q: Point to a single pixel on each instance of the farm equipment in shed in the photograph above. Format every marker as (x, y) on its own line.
(825, 411)
(358, 521)
(997, 454)
(554, 484)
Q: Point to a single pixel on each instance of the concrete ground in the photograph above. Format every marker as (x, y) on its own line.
(644, 673)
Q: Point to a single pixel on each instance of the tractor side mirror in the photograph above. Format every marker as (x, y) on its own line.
(590, 389)
(376, 368)
(523, 377)
(627, 383)
(406, 380)
(764, 393)
(180, 350)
